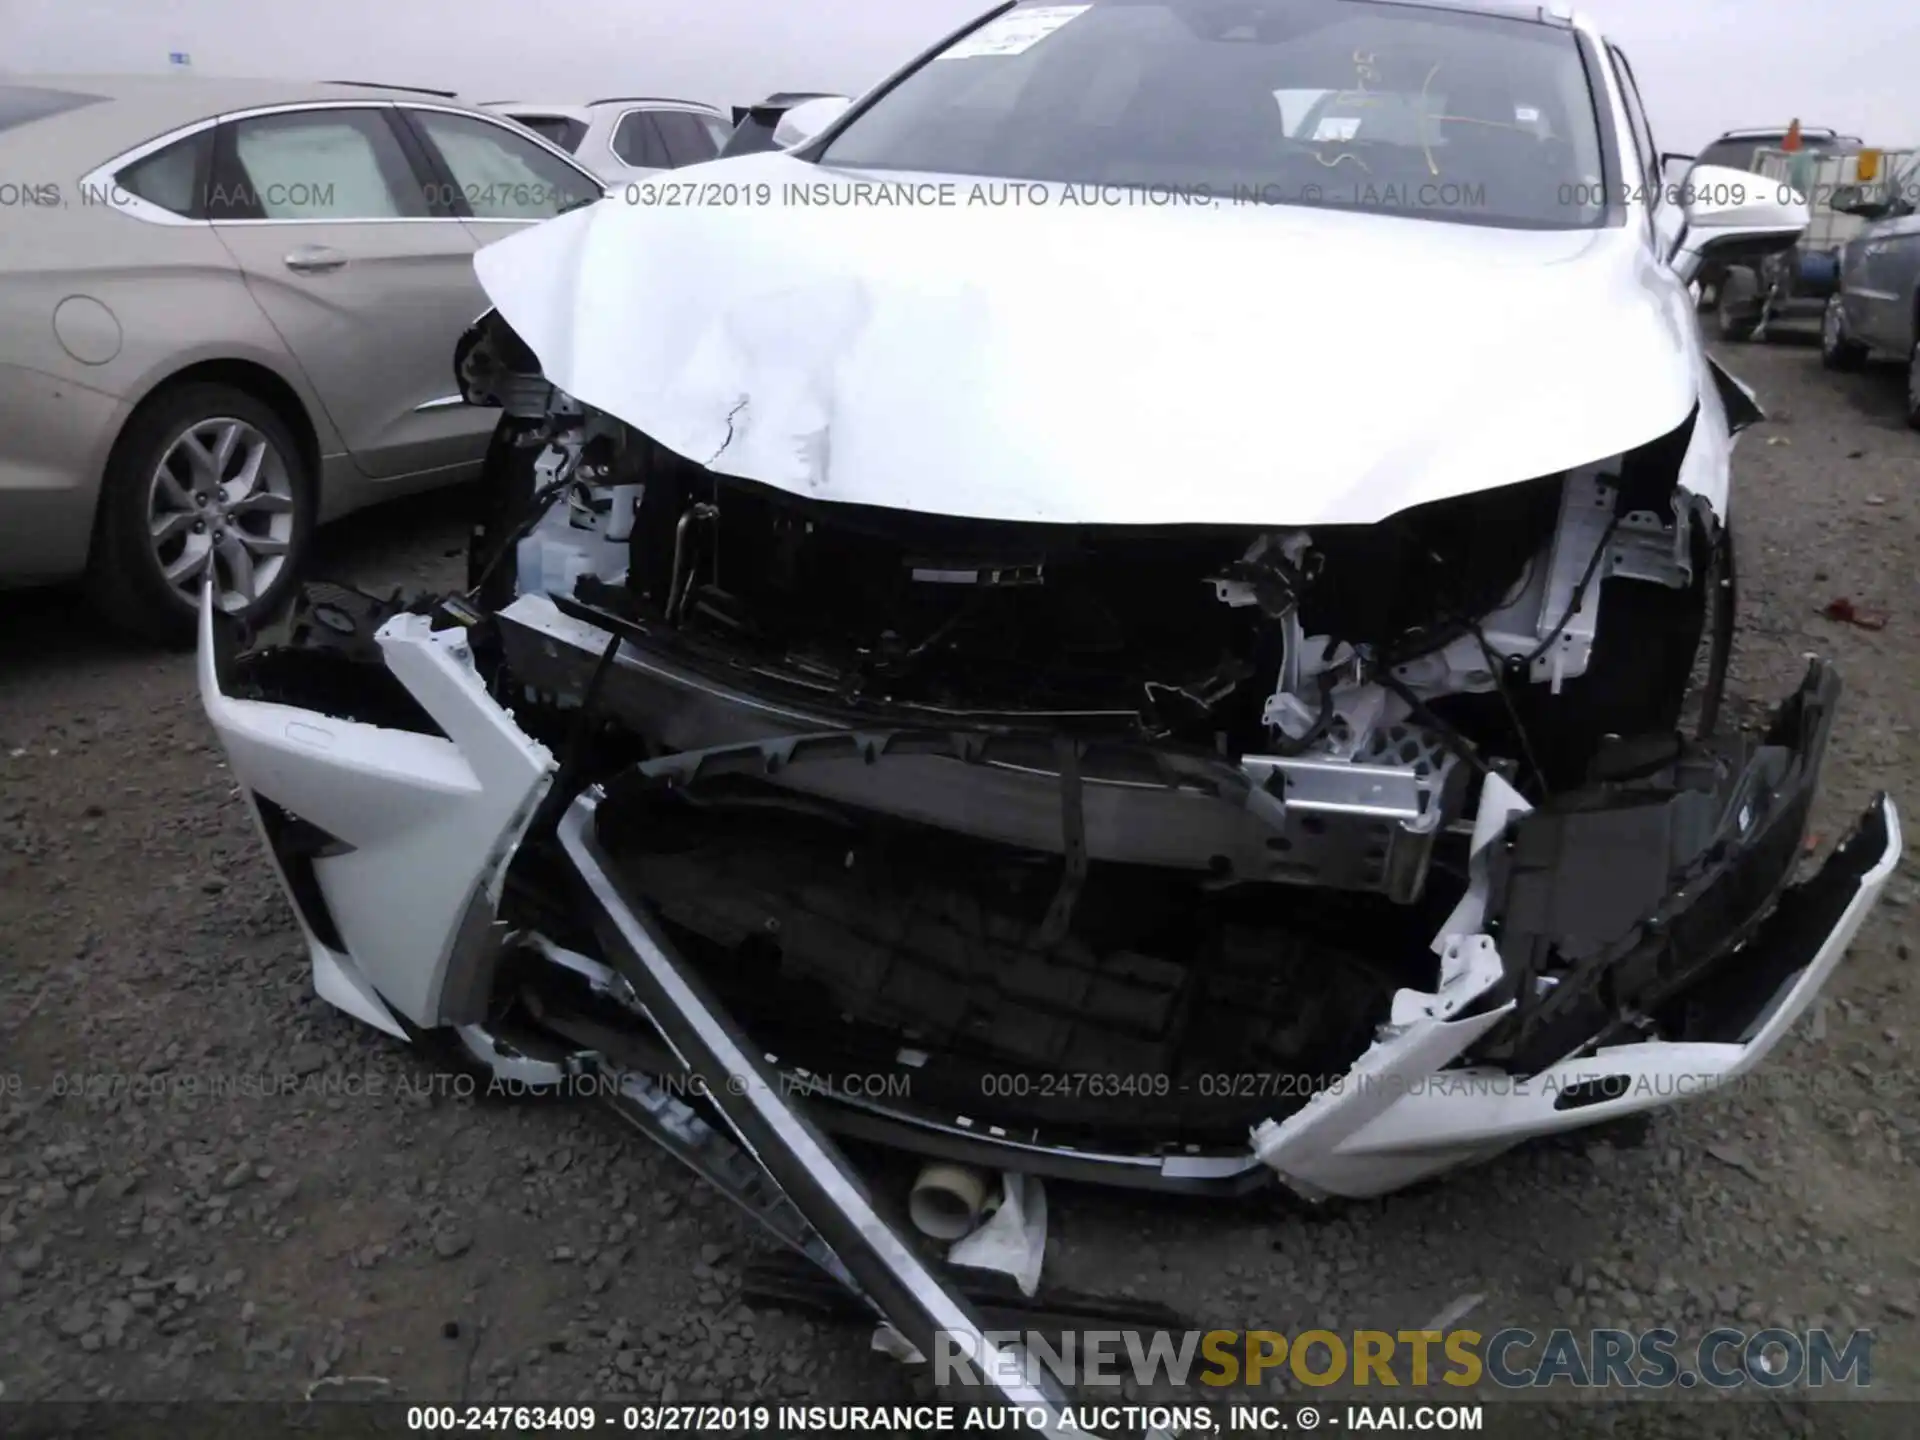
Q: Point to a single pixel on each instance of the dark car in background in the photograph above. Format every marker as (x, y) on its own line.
(1875, 310)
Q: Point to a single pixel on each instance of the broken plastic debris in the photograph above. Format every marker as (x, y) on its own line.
(947, 1201)
(890, 1342)
(1455, 1311)
(1778, 440)
(1735, 1157)
(1013, 1240)
(1843, 610)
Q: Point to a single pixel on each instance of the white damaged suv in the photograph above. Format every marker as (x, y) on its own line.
(1165, 580)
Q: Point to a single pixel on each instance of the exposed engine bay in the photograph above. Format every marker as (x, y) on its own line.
(1174, 858)
(1360, 677)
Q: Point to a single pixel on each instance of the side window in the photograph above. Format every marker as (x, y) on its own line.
(555, 130)
(637, 142)
(501, 175)
(173, 178)
(688, 141)
(1902, 189)
(316, 165)
(1735, 154)
(1637, 118)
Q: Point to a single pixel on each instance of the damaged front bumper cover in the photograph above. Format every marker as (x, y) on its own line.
(1407, 1111)
(394, 844)
(1693, 993)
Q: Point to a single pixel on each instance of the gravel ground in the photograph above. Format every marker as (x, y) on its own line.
(355, 1219)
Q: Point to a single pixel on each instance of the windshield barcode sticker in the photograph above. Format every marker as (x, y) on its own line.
(1014, 33)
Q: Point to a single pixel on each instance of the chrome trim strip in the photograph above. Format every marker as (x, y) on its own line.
(806, 1164)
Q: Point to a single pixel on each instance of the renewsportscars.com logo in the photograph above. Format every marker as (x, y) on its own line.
(1513, 1358)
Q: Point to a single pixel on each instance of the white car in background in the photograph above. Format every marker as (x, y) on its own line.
(625, 137)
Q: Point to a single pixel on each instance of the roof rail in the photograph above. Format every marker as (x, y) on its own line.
(650, 100)
(1762, 131)
(410, 89)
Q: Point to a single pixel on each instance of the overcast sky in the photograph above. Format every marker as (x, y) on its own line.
(1704, 65)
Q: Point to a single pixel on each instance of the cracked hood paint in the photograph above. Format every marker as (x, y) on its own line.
(1146, 363)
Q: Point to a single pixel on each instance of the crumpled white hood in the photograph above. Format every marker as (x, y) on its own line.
(1118, 364)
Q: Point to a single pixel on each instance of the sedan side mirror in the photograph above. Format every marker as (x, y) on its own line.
(808, 119)
(1735, 217)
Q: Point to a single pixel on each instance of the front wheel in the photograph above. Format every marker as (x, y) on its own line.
(1838, 349)
(205, 481)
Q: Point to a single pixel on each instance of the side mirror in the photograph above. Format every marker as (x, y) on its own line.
(1671, 158)
(1735, 217)
(1860, 200)
(808, 119)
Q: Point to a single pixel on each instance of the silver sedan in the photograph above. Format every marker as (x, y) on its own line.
(226, 308)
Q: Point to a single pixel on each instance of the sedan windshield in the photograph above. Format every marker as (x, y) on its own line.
(1385, 107)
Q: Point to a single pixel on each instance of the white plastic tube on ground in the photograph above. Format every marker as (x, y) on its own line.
(946, 1201)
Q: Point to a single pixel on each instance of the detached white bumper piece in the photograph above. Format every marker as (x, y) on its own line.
(392, 842)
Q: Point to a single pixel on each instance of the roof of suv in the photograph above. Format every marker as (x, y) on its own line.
(650, 100)
(581, 110)
(1817, 132)
(535, 107)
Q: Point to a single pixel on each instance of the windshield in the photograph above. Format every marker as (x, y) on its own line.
(1384, 107)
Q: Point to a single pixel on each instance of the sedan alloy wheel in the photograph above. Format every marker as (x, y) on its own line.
(222, 497)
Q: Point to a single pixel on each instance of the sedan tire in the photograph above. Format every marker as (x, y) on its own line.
(205, 478)
(1913, 386)
(1838, 349)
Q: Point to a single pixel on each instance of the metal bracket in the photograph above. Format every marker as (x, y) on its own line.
(677, 1128)
(1073, 826)
(798, 1157)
